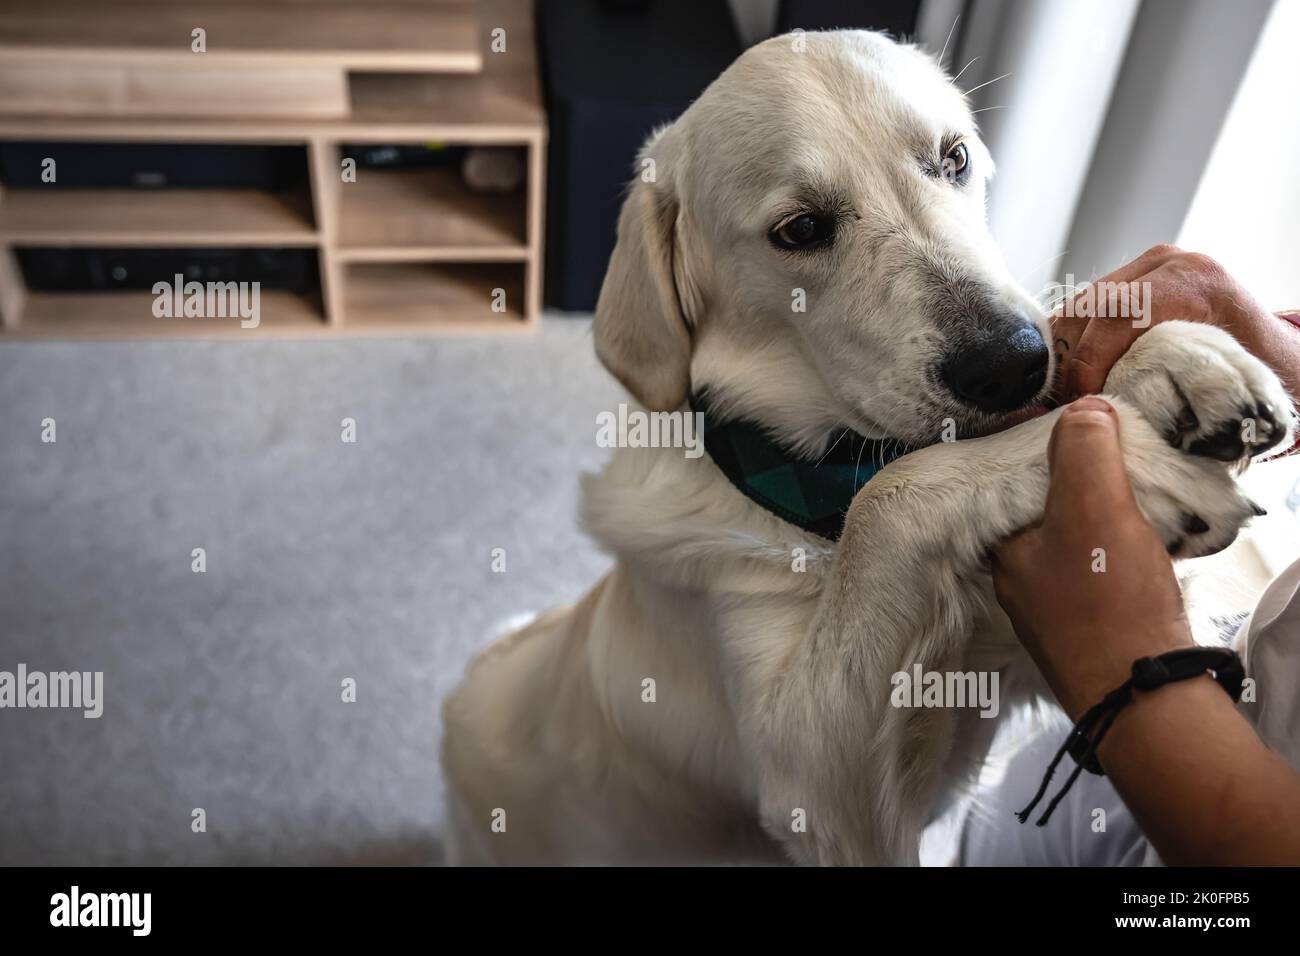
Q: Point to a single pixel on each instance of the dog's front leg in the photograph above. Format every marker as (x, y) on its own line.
(856, 773)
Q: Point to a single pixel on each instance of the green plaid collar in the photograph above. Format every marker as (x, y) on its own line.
(812, 494)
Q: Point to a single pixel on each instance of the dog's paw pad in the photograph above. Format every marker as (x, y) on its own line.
(1193, 502)
(1206, 394)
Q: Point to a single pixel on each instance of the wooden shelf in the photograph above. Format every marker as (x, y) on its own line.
(398, 252)
(428, 214)
(111, 315)
(401, 299)
(508, 100)
(162, 217)
(502, 103)
(488, 108)
(372, 35)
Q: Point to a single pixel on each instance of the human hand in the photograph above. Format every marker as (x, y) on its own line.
(1163, 283)
(1085, 621)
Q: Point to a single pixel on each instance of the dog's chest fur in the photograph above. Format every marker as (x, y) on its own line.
(643, 701)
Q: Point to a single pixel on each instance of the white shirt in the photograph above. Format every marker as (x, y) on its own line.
(1269, 644)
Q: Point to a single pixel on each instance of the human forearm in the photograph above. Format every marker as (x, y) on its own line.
(1188, 738)
(1198, 779)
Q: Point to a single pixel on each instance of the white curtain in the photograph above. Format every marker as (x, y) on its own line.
(1246, 211)
(1105, 123)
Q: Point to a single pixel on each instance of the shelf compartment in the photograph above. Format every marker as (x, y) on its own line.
(129, 314)
(414, 298)
(432, 212)
(507, 101)
(155, 217)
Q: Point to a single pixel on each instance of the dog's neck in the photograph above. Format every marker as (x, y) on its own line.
(810, 493)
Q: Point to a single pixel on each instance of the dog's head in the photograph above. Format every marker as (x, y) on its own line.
(807, 243)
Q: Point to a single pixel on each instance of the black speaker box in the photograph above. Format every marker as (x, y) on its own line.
(153, 165)
(895, 17)
(100, 270)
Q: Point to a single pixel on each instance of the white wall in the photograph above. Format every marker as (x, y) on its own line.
(1184, 63)
(1246, 210)
(1246, 213)
(1041, 122)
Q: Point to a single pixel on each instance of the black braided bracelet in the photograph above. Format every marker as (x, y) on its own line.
(1149, 673)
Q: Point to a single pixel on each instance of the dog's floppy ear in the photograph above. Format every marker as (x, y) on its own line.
(641, 329)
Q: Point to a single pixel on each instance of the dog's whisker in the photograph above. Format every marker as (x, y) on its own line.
(952, 29)
(964, 69)
(843, 432)
(985, 109)
(885, 447)
(887, 452)
(1053, 290)
(985, 83)
(1067, 288)
(893, 442)
(881, 448)
(857, 464)
(1035, 268)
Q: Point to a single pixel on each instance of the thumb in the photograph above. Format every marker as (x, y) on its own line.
(1088, 478)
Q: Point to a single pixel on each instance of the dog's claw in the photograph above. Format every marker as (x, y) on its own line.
(1224, 445)
(1187, 420)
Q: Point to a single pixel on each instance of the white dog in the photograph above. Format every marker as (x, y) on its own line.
(844, 171)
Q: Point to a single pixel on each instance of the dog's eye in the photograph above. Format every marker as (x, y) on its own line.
(803, 231)
(956, 164)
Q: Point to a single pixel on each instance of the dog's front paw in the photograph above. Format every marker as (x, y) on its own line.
(1205, 393)
(1192, 501)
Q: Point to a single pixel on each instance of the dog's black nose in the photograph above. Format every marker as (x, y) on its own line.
(1000, 370)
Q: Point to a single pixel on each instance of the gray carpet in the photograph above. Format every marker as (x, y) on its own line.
(325, 561)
